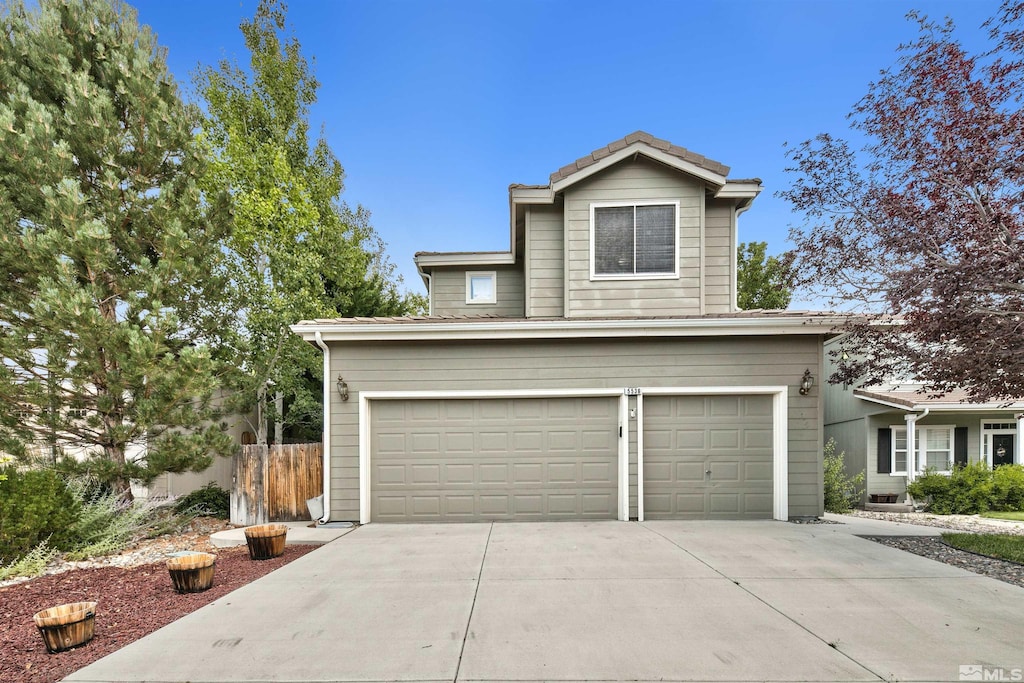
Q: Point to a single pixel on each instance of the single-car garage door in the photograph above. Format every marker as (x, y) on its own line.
(707, 457)
(457, 460)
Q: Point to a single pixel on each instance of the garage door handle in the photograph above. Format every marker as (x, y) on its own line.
(707, 472)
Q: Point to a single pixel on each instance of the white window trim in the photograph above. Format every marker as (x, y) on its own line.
(919, 459)
(674, 275)
(493, 275)
(987, 434)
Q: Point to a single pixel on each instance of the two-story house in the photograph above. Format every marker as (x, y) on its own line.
(597, 369)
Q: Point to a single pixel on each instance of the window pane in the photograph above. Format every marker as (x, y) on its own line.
(481, 288)
(938, 439)
(900, 464)
(613, 240)
(655, 239)
(938, 460)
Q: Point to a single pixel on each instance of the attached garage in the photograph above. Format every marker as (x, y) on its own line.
(482, 459)
(707, 457)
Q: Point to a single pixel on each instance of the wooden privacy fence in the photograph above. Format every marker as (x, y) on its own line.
(272, 483)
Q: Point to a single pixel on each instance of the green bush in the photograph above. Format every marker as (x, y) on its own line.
(971, 489)
(842, 491)
(35, 506)
(210, 500)
(1007, 489)
(106, 524)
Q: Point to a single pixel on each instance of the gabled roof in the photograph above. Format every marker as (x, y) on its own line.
(712, 172)
(665, 146)
(909, 399)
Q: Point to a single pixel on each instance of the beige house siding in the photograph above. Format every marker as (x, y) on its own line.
(450, 292)
(719, 257)
(634, 180)
(545, 264)
(547, 364)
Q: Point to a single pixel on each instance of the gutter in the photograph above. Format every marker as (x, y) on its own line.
(318, 338)
(566, 328)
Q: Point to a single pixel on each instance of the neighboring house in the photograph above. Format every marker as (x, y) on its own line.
(597, 369)
(878, 427)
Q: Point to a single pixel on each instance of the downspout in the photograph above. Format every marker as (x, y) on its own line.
(429, 277)
(327, 428)
(911, 419)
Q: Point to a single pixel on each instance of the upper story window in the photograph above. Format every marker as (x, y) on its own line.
(481, 287)
(634, 241)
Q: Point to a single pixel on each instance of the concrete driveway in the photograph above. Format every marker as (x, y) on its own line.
(682, 601)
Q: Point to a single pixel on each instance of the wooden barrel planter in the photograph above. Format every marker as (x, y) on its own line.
(192, 573)
(266, 541)
(66, 626)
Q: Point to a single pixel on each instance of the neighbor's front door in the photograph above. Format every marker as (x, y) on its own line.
(1002, 449)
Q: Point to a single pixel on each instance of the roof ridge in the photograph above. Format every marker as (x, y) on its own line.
(633, 138)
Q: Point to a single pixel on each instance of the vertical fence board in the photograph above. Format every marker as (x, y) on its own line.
(295, 475)
(273, 483)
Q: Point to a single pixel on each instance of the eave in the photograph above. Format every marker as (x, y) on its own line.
(498, 329)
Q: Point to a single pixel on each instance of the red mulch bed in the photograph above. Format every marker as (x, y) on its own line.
(132, 603)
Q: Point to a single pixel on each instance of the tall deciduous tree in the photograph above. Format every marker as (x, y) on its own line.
(109, 249)
(927, 222)
(297, 252)
(760, 279)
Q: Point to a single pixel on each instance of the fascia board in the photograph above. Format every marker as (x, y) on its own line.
(474, 259)
(739, 191)
(648, 151)
(563, 329)
(522, 195)
(949, 407)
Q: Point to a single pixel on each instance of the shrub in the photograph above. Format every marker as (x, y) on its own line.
(1007, 489)
(842, 491)
(106, 523)
(31, 564)
(210, 500)
(971, 489)
(35, 505)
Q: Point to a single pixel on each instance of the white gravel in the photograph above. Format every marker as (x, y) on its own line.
(969, 523)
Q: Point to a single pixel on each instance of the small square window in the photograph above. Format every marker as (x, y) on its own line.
(480, 288)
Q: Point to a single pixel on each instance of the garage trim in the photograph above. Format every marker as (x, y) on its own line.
(365, 397)
(780, 438)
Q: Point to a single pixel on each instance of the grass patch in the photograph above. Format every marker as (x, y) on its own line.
(994, 545)
(1015, 516)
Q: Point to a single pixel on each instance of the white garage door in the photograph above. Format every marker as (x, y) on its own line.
(707, 457)
(458, 460)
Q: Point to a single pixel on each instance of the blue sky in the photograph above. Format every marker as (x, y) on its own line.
(434, 108)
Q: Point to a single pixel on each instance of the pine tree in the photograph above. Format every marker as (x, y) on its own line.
(110, 249)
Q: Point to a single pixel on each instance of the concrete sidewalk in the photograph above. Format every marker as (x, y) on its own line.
(299, 533)
(685, 601)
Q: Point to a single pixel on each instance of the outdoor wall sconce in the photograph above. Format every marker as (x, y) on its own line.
(342, 389)
(806, 382)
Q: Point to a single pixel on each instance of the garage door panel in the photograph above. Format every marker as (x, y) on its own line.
(724, 439)
(502, 459)
(718, 463)
(426, 474)
(459, 506)
(459, 474)
(597, 473)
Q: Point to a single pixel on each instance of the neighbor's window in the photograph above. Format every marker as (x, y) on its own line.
(480, 288)
(934, 448)
(634, 240)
